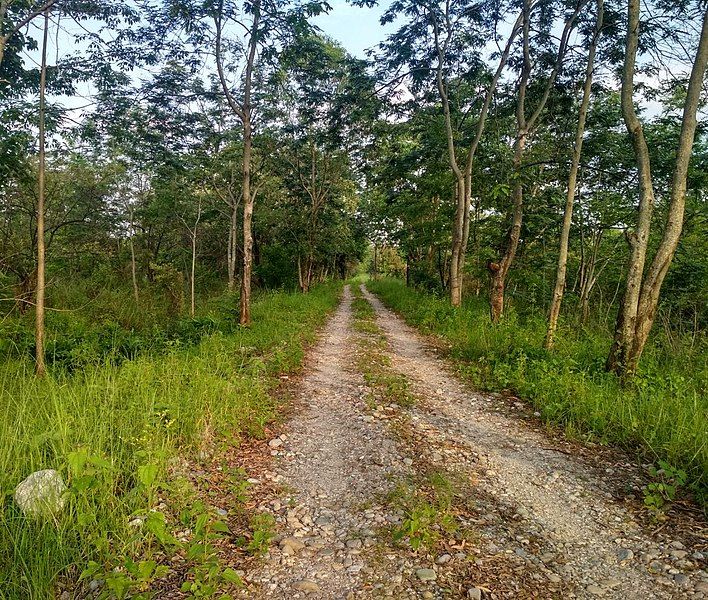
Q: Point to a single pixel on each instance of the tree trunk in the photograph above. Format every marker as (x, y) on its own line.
(233, 247)
(192, 272)
(457, 256)
(243, 111)
(41, 259)
(496, 300)
(524, 127)
(133, 266)
(641, 297)
(572, 181)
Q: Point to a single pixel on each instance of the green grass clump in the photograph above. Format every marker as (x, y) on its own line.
(112, 430)
(663, 412)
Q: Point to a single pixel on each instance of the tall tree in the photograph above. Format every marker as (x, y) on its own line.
(642, 289)
(557, 298)
(243, 110)
(525, 127)
(41, 260)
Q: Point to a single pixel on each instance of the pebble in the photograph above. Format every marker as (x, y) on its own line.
(443, 559)
(595, 590)
(307, 585)
(275, 443)
(625, 554)
(474, 594)
(354, 544)
(292, 543)
(426, 574)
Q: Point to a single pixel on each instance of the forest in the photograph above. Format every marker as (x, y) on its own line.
(193, 191)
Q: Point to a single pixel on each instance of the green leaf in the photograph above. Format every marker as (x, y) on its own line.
(147, 475)
(231, 576)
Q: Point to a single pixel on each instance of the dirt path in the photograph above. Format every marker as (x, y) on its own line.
(539, 523)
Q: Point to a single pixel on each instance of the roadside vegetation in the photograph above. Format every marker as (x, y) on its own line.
(113, 430)
(662, 412)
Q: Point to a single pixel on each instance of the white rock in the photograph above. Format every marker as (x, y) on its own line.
(42, 493)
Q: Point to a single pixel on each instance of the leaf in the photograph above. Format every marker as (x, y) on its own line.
(147, 475)
(231, 576)
(220, 526)
(91, 569)
(146, 569)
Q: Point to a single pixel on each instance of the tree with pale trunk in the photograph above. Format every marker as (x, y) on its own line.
(640, 300)
(526, 125)
(557, 298)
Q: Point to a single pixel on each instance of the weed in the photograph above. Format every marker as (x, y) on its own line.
(263, 527)
(667, 481)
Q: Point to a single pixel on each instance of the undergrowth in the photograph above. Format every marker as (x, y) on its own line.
(112, 431)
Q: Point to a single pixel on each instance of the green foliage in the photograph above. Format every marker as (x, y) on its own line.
(427, 507)
(662, 412)
(668, 481)
(263, 527)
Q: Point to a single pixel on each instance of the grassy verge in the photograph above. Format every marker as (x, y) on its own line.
(112, 431)
(663, 413)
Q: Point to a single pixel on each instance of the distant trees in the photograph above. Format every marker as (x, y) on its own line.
(490, 143)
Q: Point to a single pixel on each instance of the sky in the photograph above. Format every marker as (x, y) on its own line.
(355, 28)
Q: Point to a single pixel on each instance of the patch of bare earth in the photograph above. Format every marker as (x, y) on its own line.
(545, 516)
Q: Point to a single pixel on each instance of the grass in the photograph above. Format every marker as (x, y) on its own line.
(662, 414)
(112, 431)
(385, 383)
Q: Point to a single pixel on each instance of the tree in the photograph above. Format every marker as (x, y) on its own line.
(444, 40)
(642, 289)
(525, 126)
(41, 260)
(557, 298)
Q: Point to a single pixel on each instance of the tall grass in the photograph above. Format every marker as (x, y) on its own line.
(663, 413)
(104, 423)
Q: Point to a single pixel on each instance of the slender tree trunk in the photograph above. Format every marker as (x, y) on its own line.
(499, 275)
(639, 239)
(457, 259)
(41, 259)
(244, 112)
(233, 246)
(133, 266)
(192, 273)
(524, 127)
(572, 181)
(134, 270)
(641, 297)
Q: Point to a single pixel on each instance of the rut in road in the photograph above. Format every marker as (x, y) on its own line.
(537, 523)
